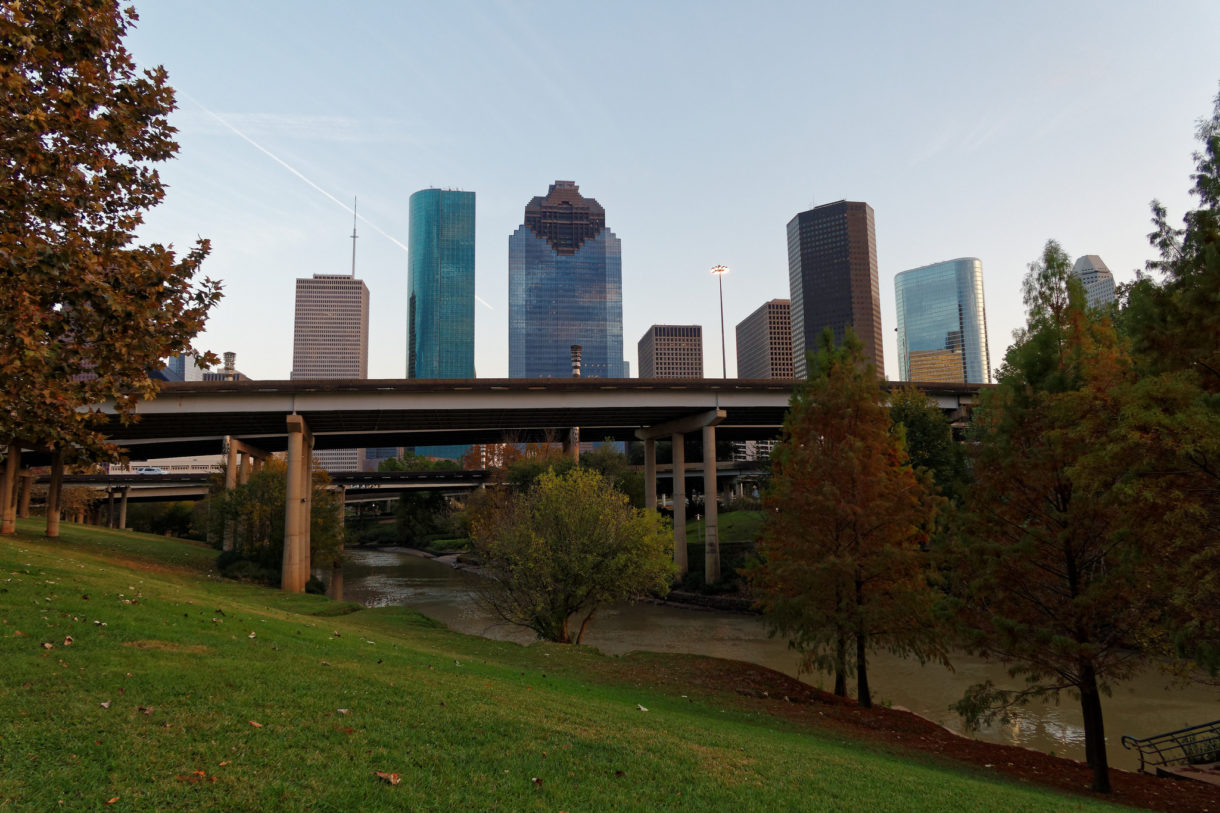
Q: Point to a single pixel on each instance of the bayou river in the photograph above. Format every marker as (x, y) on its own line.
(1146, 705)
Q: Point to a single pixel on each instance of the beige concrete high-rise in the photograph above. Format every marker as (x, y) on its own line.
(671, 351)
(764, 342)
(331, 340)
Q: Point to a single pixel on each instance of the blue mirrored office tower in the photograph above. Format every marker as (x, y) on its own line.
(565, 287)
(440, 298)
(942, 324)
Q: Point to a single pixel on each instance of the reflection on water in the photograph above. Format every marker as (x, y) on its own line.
(1144, 706)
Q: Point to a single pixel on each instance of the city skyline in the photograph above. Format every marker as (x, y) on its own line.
(1067, 123)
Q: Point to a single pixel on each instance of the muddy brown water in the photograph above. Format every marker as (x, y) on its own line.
(1149, 704)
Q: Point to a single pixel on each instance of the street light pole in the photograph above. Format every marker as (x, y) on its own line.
(720, 271)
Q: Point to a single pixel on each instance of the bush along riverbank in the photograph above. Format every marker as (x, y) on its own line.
(136, 677)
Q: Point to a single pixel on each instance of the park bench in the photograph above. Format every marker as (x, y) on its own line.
(1195, 745)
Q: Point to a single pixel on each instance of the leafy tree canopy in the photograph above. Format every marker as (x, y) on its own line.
(409, 461)
(86, 312)
(564, 547)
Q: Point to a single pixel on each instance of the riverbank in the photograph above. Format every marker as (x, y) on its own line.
(134, 674)
(675, 598)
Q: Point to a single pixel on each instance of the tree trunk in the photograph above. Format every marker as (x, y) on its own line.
(841, 666)
(55, 493)
(584, 624)
(1094, 730)
(863, 696)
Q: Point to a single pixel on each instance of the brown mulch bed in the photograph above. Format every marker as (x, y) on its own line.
(760, 689)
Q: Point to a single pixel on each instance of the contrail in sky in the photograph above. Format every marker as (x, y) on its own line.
(297, 173)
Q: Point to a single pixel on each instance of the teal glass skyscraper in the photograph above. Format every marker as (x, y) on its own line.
(440, 271)
(942, 324)
(565, 287)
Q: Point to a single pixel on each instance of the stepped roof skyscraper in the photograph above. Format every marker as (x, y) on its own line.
(440, 283)
(1097, 280)
(942, 323)
(832, 274)
(565, 287)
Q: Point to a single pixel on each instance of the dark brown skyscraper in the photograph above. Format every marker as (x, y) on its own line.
(832, 273)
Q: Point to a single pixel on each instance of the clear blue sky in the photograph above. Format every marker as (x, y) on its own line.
(973, 129)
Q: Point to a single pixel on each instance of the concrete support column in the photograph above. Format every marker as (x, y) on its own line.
(230, 526)
(571, 443)
(54, 490)
(123, 494)
(244, 468)
(110, 515)
(679, 456)
(23, 494)
(334, 587)
(296, 508)
(8, 490)
(230, 463)
(650, 474)
(711, 540)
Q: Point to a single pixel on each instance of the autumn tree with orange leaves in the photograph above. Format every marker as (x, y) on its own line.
(85, 311)
(841, 571)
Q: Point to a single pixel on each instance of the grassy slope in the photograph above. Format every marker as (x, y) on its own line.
(735, 526)
(467, 723)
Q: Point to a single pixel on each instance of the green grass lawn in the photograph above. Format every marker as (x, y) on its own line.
(130, 672)
(735, 526)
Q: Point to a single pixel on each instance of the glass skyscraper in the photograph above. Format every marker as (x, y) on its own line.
(942, 324)
(440, 271)
(440, 292)
(565, 287)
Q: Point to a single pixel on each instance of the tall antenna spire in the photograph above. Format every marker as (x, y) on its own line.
(354, 201)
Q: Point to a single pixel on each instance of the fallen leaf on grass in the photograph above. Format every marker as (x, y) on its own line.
(343, 711)
(48, 645)
(641, 708)
(224, 763)
(146, 709)
(112, 800)
(392, 778)
(105, 704)
(256, 725)
(537, 782)
(251, 635)
(68, 640)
